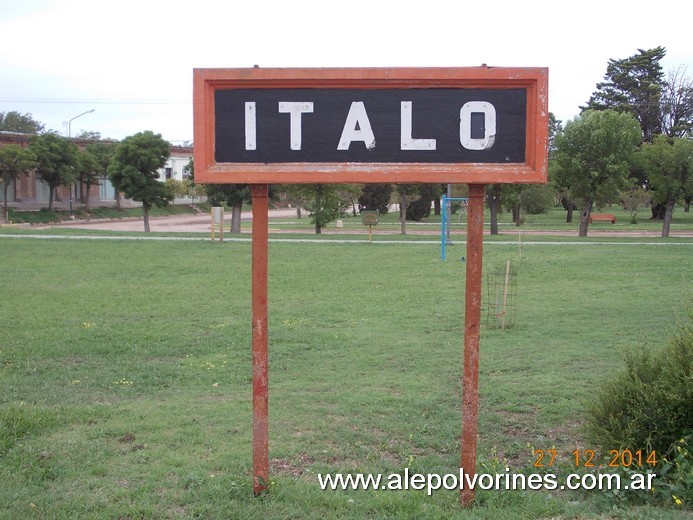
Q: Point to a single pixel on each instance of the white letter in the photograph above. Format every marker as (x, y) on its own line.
(357, 117)
(406, 141)
(250, 133)
(489, 112)
(295, 108)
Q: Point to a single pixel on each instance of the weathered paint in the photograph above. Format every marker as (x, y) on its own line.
(472, 319)
(259, 338)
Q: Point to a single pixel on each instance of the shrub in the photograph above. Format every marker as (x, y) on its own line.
(650, 403)
(649, 406)
(536, 199)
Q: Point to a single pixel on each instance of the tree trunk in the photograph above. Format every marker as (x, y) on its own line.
(658, 211)
(668, 213)
(686, 204)
(517, 216)
(585, 218)
(493, 201)
(87, 206)
(236, 210)
(403, 214)
(318, 209)
(51, 192)
(117, 194)
(436, 206)
(145, 213)
(569, 206)
(5, 188)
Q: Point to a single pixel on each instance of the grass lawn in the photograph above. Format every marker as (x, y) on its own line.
(125, 374)
(551, 223)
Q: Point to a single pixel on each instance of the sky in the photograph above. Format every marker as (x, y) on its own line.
(131, 62)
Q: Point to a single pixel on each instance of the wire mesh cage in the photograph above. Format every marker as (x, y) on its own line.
(501, 297)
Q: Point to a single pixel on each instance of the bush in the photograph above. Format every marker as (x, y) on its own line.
(650, 403)
(649, 406)
(537, 199)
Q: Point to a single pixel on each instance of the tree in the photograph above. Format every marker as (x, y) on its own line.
(494, 194)
(93, 136)
(101, 153)
(562, 192)
(634, 85)
(324, 203)
(233, 195)
(634, 198)
(134, 170)
(669, 165)
(593, 157)
(376, 197)
(555, 128)
(677, 104)
(189, 188)
(528, 199)
(21, 123)
(15, 161)
(296, 196)
(349, 194)
(56, 161)
(420, 207)
(406, 193)
(88, 174)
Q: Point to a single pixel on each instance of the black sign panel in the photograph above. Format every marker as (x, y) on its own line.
(418, 125)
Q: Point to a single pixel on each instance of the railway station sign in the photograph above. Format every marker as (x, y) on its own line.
(469, 125)
(477, 126)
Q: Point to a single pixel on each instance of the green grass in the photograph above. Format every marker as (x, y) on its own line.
(125, 378)
(554, 220)
(46, 217)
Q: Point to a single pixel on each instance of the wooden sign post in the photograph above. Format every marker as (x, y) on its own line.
(370, 219)
(476, 125)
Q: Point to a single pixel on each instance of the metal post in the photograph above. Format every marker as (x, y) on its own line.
(472, 318)
(259, 318)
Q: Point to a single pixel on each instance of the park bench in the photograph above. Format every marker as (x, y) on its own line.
(606, 217)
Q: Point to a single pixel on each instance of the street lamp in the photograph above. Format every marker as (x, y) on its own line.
(69, 135)
(69, 131)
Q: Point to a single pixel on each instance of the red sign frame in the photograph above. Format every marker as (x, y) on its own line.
(533, 79)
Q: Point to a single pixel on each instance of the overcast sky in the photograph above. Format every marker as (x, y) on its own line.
(132, 61)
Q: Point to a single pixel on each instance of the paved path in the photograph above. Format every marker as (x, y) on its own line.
(177, 223)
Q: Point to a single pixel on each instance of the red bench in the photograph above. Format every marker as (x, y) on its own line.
(606, 217)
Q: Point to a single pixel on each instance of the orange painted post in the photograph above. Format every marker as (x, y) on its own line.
(472, 318)
(259, 339)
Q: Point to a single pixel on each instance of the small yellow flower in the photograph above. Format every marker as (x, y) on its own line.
(677, 500)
